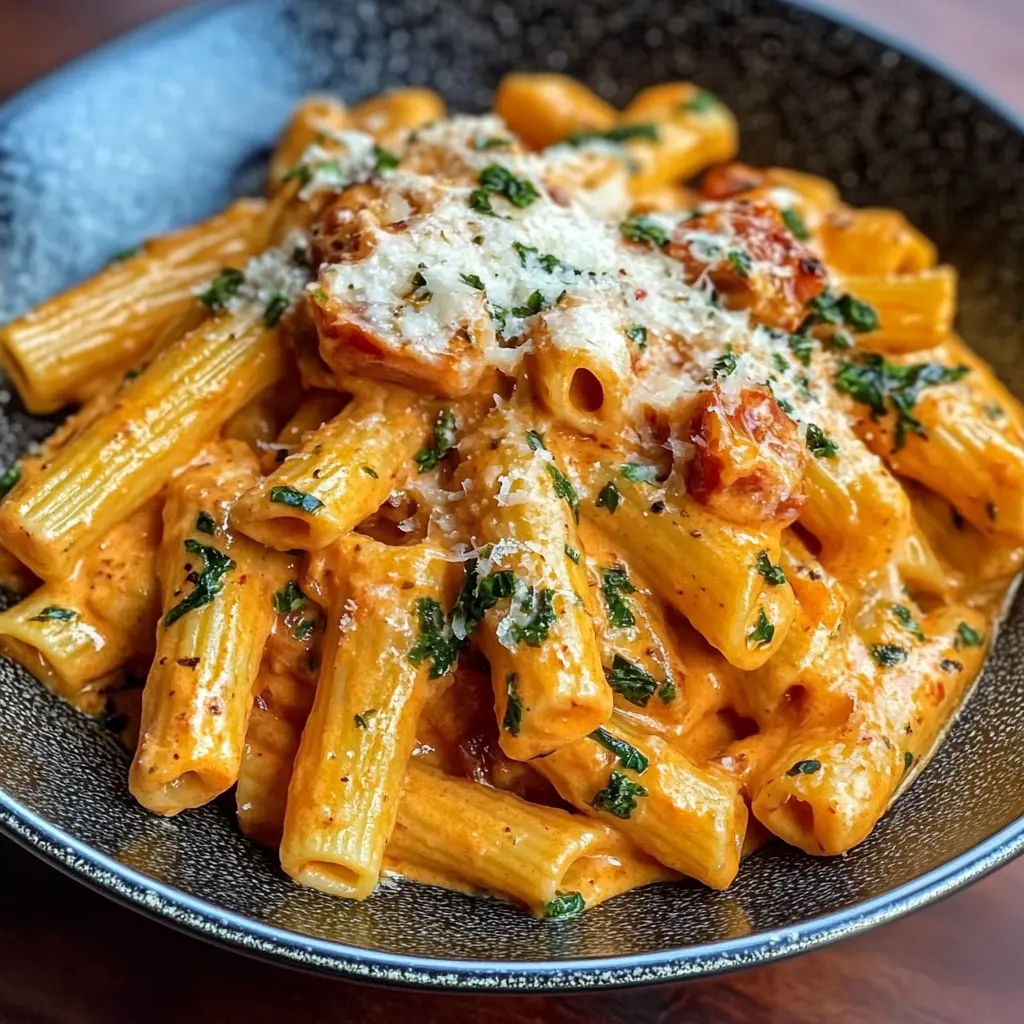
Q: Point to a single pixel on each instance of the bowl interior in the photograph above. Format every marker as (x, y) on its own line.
(165, 127)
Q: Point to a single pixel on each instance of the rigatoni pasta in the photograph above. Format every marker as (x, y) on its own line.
(500, 507)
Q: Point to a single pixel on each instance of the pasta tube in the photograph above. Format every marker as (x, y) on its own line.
(218, 613)
(464, 835)
(75, 633)
(124, 457)
(695, 561)
(69, 347)
(537, 630)
(314, 117)
(692, 819)
(543, 108)
(385, 641)
(831, 783)
(342, 473)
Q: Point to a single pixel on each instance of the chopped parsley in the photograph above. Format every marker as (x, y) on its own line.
(882, 386)
(740, 262)
(206, 584)
(514, 709)
(285, 495)
(533, 305)
(445, 427)
(949, 665)
(480, 201)
(547, 261)
(615, 583)
(619, 797)
(667, 692)
(763, 632)
(289, 598)
(906, 620)
(969, 636)
(802, 346)
(773, 574)
(490, 142)
(796, 224)
(370, 471)
(725, 364)
(223, 288)
(859, 316)
(808, 767)
(362, 720)
(619, 134)
(631, 681)
(888, 655)
(277, 306)
(436, 642)
(637, 334)
(908, 760)
(700, 102)
(535, 440)
(639, 474)
(628, 755)
(639, 228)
(51, 613)
(473, 281)
(564, 906)
(477, 596)
(572, 554)
(820, 443)
(565, 490)
(10, 477)
(205, 523)
(539, 607)
(386, 161)
(497, 180)
(609, 497)
(303, 630)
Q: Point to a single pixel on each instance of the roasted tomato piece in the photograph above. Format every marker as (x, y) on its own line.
(724, 181)
(749, 464)
(752, 259)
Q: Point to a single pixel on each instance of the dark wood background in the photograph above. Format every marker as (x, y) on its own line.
(69, 955)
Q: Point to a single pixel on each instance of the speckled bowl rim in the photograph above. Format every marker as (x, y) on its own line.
(244, 935)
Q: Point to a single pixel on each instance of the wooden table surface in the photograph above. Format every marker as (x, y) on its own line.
(70, 955)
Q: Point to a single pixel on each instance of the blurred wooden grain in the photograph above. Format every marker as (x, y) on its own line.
(69, 955)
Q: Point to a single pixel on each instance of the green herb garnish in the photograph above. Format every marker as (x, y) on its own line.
(620, 795)
(619, 134)
(10, 477)
(51, 613)
(906, 620)
(888, 655)
(820, 444)
(639, 474)
(445, 427)
(609, 497)
(501, 181)
(773, 574)
(277, 306)
(565, 905)
(436, 642)
(206, 584)
(637, 334)
(796, 224)
(289, 598)
(808, 767)
(631, 681)
(572, 554)
(615, 583)
(763, 632)
(285, 495)
(725, 364)
(969, 636)
(639, 228)
(386, 161)
(205, 523)
(628, 755)
(223, 288)
(514, 709)
(565, 490)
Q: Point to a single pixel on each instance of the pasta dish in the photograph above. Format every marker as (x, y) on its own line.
(538, 504)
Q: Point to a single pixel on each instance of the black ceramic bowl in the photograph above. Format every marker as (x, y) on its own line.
(165, 126)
